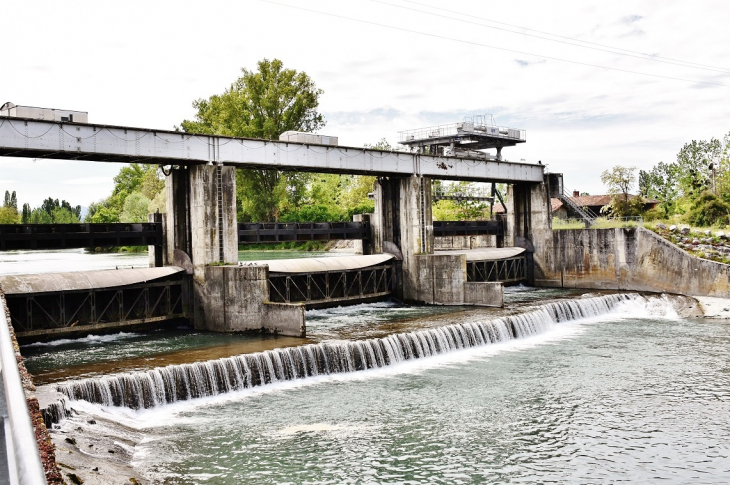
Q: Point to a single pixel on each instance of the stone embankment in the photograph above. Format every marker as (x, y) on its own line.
(707, 244)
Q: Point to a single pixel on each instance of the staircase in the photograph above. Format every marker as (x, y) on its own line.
(588, 216)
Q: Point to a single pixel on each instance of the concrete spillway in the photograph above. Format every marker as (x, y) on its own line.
(173, 383)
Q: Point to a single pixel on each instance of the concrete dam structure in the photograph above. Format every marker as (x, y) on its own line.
(200, 234)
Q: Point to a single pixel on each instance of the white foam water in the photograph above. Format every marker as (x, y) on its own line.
(175, 383)
(89, 339)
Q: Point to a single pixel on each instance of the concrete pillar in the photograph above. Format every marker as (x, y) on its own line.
(403, 222)
(201, 223)
(201, 215)
(529, 222)
(236, 299)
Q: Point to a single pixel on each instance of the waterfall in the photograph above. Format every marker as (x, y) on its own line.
(164, 385)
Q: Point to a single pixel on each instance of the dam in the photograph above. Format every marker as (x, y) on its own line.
(500, 362)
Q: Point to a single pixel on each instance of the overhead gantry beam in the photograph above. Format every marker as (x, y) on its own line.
(103, 143)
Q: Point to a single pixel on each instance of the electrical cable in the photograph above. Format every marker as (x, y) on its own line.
(479, 44)
(603, 47)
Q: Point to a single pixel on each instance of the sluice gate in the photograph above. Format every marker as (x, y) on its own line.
(62, 303)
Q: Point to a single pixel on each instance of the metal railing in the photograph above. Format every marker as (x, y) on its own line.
(584, 212)
(462, 128)
(24, 461)
(273, 232)
(81, 235)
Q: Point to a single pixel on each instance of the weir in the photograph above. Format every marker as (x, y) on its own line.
(174, 383)
(200, 232)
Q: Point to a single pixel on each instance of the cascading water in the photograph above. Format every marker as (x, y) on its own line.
(188, 381)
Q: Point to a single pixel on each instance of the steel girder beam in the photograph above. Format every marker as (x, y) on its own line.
(103, 143)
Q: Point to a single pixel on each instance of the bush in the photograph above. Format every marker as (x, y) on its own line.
(709, 210)
(315, 213)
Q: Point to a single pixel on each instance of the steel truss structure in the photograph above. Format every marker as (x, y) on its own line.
(79, 310)
(332, 286)
(504, 270)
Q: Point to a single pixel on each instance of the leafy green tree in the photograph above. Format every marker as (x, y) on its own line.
(136, 208)
(8, 215)
(661, 184)
(40, 216)
(262, 104)
(25, 219)
(11, 200)
(100, 212)
(62, 215)
(693, 165)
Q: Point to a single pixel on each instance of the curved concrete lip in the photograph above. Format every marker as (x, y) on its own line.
(486, 254)
(319, 265)
(82, 280)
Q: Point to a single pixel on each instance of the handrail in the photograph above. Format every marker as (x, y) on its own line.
(24, 461)
(588, 215)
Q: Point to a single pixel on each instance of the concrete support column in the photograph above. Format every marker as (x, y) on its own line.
(529, 223)
(201, 228)
(403, 223)
(201, 215)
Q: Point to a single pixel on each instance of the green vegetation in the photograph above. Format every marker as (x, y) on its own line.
(264, 104)
(138, 191)
(696, 188)
(50, 212)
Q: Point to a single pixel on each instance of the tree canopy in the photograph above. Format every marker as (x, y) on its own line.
(262, 104)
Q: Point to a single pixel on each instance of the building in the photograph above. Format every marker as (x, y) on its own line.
(63, 115)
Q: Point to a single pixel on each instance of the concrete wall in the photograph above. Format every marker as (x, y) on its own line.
(484, 294)
(442, 281)
(626, 259)
(464, 242)
(236, 299)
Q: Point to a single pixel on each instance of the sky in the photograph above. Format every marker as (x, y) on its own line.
(384, 66)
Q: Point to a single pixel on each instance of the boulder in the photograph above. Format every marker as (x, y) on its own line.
(673, 228)
(684, 230)
(661, 226)
(695, 242)
(708, 233)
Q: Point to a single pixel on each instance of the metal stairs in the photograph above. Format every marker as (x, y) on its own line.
(588, 216)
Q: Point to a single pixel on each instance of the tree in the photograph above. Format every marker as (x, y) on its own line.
(8, 215)
(136, 207)
(262, 104)
(693, 165)
(619, 181)
(660, 183)
(25, 219)
(40, 216)
(62, 215)
(709, 210)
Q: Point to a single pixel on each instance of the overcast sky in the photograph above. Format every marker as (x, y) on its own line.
(384, 66)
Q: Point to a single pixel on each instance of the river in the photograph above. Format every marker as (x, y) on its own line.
(561, 387)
